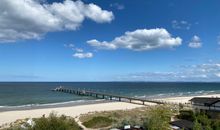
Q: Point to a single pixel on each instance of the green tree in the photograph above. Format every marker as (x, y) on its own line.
(197, 125)
(204, 120)
(216, 125)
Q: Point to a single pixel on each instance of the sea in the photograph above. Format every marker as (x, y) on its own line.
(14, 95)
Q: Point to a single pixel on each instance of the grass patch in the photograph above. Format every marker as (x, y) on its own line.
(98, 122)
(137, 116)
(53, 122)
(119, 117)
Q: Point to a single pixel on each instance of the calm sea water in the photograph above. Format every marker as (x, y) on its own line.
(26, 93)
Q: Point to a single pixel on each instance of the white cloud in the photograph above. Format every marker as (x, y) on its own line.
(102, 45)
(181, 24)
(69, 45)
(140, 40)
(218, 75)
(78, 52)
(218, 39)
(200, 72)
(117, 6)
(31, 19)
(83, 55)
(195, 42)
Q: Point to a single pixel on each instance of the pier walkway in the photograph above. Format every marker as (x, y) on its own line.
(100, 95)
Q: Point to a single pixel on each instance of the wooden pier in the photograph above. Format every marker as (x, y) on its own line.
(100, 95)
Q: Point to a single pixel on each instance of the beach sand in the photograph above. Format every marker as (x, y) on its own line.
(11, 116)
(185, 99)
(74, 111)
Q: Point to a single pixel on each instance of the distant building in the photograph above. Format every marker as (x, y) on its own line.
(211, 106)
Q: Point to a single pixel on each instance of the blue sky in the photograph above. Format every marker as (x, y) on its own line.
(109, 40)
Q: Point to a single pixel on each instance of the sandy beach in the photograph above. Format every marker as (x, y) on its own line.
(11, 116)
(74, 111)
(185, 99)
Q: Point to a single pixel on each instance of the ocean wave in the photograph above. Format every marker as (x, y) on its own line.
(179, 94)
(53, 104)
(151, 96)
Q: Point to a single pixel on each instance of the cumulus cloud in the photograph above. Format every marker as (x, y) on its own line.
(200, 72)
(181, 24)
(82, 55)
(195, 42)
(140, 40)
(31, 19)
(102, 45)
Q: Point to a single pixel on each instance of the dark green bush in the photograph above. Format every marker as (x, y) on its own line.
(197, 125)
(215, 124)
(203, 119)
(187, 115)
(98, 122)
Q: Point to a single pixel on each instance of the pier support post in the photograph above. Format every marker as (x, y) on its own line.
(105, 96)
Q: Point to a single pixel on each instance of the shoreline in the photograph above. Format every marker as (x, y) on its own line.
(95, 101)
(75, 110)
(52, 105)
(185, 99)
(172, 99)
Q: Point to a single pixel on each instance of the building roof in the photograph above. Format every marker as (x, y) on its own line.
(183, 124)
(207, 101)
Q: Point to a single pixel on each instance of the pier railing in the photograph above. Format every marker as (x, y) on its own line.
(101, 95)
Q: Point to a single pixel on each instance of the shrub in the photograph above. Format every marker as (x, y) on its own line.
(53, 122)
(197, 125)
(187, 115)
(159, 118)
(98, 122)
(216, 125)
(203, 119)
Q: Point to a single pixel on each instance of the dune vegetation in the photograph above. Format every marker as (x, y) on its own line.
(53, 122)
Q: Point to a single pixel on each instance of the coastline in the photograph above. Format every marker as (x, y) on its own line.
(76, 110)
(185, 99)
(73, 111)
(52, 105)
